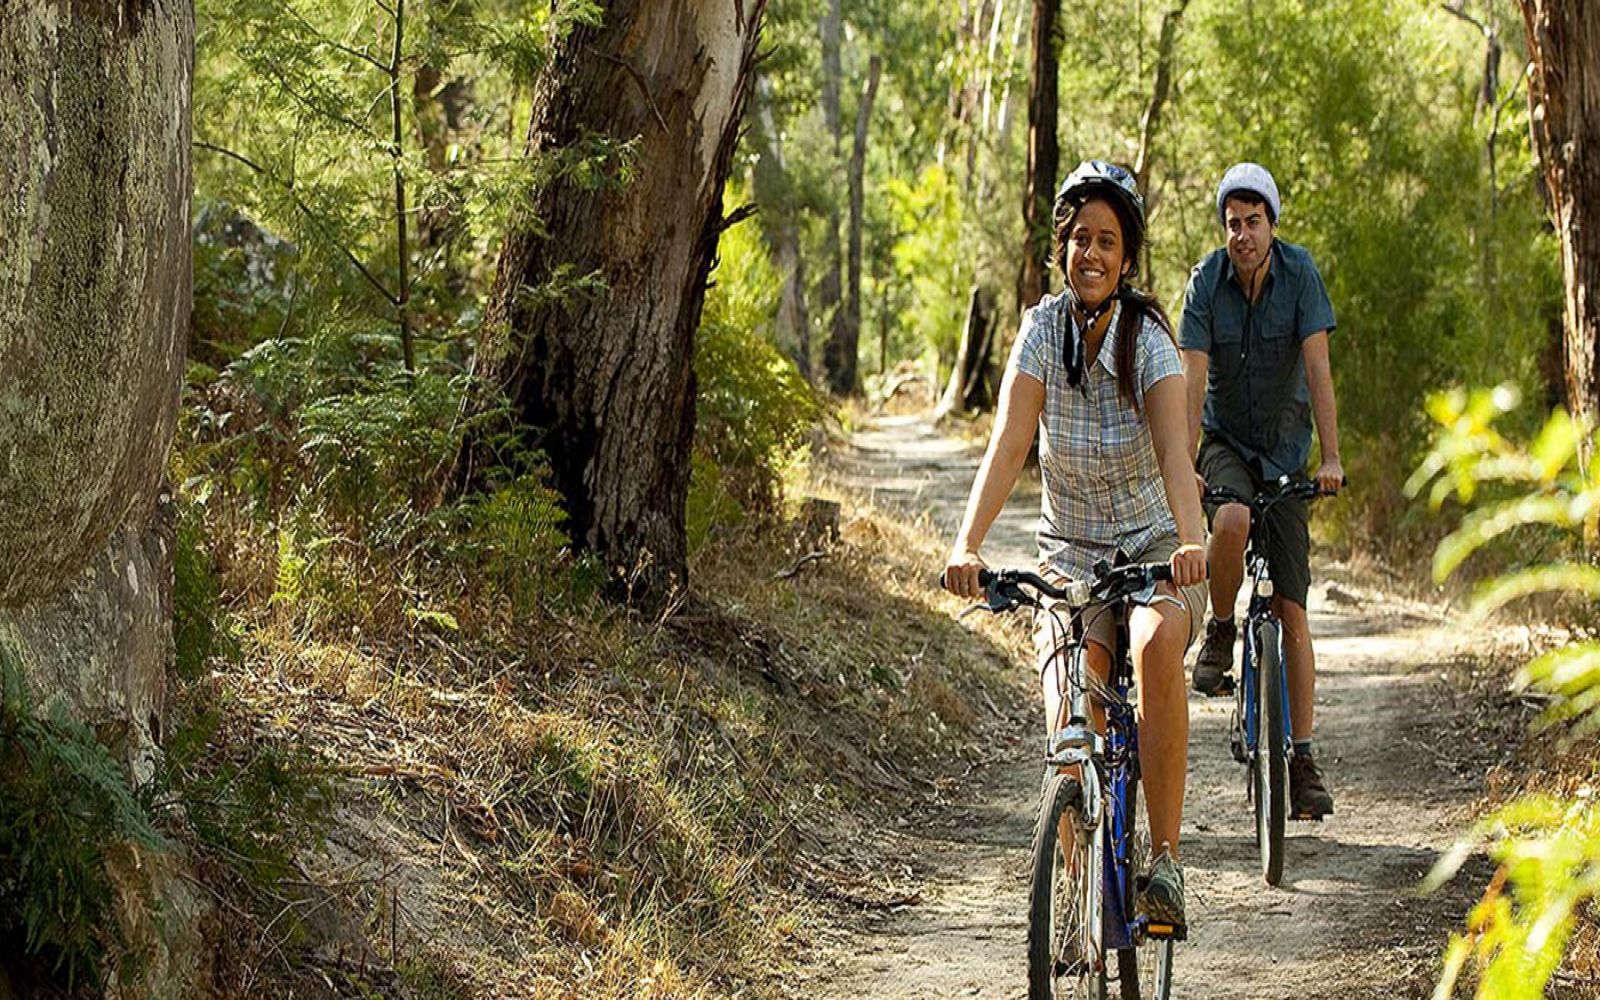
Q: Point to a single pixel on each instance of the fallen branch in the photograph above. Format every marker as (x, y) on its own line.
(809, 557)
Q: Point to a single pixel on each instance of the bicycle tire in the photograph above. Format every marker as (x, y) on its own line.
(1270, 763)
(1058, 965)
(1145, 972)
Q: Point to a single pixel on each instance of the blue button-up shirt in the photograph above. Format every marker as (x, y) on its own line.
(1257, 400)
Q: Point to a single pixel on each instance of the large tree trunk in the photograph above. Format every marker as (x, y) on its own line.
(94, 310)
(604, 377)
(1563, 39)
(1043, 155)
(849, 348)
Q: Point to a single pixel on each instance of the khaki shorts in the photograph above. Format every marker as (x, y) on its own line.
(1099, 623)
(1288, 522)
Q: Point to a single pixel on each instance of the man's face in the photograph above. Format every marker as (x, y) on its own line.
(1249, 234)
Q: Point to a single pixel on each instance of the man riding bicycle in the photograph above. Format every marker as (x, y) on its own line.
(1254, 337)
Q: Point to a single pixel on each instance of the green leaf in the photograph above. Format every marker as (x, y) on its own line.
(1481, 526)
(1501, 591)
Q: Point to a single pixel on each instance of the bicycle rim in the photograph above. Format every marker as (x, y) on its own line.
(1270, 764)
(1063, 903)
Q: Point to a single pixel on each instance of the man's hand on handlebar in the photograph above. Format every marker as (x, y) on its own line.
(961, 573)
(1330, 477)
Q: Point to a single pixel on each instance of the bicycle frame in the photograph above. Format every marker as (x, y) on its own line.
(1109, 772)
(1259, 611)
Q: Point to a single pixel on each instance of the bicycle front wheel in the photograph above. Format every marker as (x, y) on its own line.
(1063, 902)
(1269, 765)
(1146, 971)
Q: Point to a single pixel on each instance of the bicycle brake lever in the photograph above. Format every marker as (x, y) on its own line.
(969, 609)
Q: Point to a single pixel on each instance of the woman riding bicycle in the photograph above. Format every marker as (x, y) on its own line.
(1096, 370)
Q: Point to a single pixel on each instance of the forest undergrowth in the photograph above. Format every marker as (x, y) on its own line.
(566, 799)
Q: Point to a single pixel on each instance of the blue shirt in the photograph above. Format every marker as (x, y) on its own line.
(1257, 400)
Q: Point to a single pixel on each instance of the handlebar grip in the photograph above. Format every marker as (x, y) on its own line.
(985, 577)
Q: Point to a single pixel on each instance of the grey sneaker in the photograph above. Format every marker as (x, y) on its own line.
(1160, 899)
(1309, 798)
(1212, 665)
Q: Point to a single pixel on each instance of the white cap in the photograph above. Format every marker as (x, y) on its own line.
(1248, 177)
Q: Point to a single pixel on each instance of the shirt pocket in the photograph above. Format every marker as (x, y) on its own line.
(1227, 345)
(1276, 344)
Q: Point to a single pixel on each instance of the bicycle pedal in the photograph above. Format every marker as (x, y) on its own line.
(1166, 932)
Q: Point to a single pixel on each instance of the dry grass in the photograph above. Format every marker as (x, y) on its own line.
(574, 802)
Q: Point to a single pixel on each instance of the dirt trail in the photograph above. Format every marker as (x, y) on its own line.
(1346, 923)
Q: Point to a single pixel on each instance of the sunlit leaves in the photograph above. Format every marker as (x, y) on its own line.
(1548, 850)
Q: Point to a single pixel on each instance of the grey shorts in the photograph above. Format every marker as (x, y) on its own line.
(1100, 625)
(1289, 522)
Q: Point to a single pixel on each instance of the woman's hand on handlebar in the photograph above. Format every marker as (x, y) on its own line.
(961, 573)
(1188, 565)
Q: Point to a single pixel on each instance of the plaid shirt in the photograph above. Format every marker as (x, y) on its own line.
(1103, 491)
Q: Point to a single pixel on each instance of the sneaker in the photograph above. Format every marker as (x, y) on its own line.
(1308, 796)
(1212, 666)
(1160, 899)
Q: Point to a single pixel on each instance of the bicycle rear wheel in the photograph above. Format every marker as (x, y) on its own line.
(1063, 900)
(1269, 765)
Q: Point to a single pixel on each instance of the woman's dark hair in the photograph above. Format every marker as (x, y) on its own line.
(1137, 304)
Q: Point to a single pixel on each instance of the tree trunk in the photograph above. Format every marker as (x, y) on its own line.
(1043, 155)
(830, 291)
(847, 351)
(782, 232)
(1564, 96)
(970, 377)
(94, 311)
(1159, 92)
(603, 378)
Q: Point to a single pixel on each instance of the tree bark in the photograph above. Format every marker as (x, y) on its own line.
(94, 310)
(782, 232)
(1159, 91)
(603, 379)
(1564, 97)
(1043, 154)
(830, 291)
(970, 385)
(847, 351)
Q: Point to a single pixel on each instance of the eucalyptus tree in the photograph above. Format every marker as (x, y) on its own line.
(1563, 40)
(602, 276)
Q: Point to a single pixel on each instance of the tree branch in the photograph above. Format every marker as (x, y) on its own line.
(1457, 8)
(303, 207)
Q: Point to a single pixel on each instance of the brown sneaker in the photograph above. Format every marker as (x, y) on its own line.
(1308, 796)
(1212, 665)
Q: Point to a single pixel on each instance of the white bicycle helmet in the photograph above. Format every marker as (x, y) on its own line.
(1252, 177)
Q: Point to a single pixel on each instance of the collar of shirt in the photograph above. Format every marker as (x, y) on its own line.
(1107, 358)
(1274, 266)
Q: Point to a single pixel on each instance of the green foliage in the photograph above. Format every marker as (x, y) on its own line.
(753, 409)
(65, 807)
(1548, 851)
(200, 628)
(515, 536)
(252, 804)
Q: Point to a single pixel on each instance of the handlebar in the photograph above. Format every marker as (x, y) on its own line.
(1004, 588)
(1288, 489)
